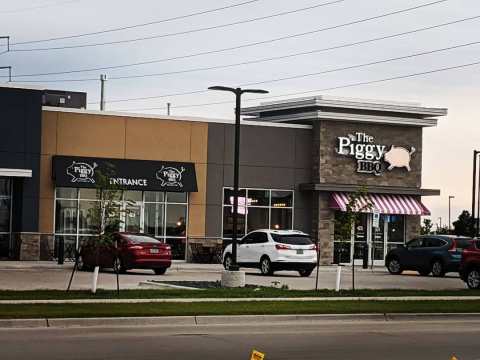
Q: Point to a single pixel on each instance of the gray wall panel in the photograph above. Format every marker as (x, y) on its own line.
(270, 157)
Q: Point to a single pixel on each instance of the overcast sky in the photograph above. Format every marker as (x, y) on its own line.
(447, 151)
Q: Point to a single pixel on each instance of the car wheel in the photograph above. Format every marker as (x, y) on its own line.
(438, 269)
(305, 272)
(394, 267)
(160, 271)
(266, 266)
(227, 262)
(473, 278)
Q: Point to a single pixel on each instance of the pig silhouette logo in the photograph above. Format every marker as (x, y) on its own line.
(170, 176)
(398, 157)
(81, 172)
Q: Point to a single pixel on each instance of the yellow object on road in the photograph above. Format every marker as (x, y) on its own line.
(256, 355)
(453, 357)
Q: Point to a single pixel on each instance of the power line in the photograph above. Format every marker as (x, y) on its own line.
(57, 3)
(308, 74)
(242, 46)
(261, 60)
(244, 21)
(138, 25)
(324, 89)
(214, 27)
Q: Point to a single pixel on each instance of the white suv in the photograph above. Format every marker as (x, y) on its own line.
(272, 250)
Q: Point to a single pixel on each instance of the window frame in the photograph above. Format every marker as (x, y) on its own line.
(123, 203)
(269, 207)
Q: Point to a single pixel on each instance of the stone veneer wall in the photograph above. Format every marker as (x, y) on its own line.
(329, 167)
(412, 227)
(338, 169)
(33, 246)
(323, 227)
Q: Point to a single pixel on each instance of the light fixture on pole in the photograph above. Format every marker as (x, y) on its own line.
(238, 95)
(450, 197)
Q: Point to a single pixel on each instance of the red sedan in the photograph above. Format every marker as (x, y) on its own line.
(133, 251)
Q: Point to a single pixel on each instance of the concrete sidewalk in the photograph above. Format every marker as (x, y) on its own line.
(222, 320)
(49, 275)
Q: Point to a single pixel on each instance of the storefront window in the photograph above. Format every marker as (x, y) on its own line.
(258, 209)
(281, 219)
(159, 214)
(154, 219)
(257, 218)
(88, 222)
(66, 216)
(396, 228)
(176, 220)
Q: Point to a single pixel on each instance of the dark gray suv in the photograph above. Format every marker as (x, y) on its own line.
(436, 254)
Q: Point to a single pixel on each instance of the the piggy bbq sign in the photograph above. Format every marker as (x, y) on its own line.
(371, 156)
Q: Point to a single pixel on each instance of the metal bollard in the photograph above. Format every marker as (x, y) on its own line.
(60, 250)
(339, 274)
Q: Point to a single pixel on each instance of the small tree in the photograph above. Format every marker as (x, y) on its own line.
(345, 222)
(464, 225)
(426, 227)
(106, 217)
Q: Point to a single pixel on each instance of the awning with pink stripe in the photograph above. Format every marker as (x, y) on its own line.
(383, 203)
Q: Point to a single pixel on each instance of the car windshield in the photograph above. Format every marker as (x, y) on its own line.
(292, 239)
(141, 239)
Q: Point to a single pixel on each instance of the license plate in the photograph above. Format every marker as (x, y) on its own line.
(154, 251)
(300, 251)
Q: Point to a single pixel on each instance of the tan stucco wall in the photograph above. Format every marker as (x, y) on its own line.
(73, 134)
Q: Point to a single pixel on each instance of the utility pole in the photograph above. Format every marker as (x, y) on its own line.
(9, 72)
(168, 108)
(3, 52)
(450, 197)
(475, 224)
(103, 78)
(8, 41)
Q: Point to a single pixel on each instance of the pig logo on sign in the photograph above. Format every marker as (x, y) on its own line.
(398, 157)
(81, 172)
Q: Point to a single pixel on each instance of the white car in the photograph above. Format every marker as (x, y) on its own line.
(272, 250)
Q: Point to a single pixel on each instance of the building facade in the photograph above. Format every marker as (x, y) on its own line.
(299, 161)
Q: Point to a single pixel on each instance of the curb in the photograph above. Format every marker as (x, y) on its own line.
(227, 320)
(275, 299)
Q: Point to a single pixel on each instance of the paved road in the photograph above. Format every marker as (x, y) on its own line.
(323, 340)
(50, 276)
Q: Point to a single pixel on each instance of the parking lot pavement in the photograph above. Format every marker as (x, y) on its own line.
(30, 276)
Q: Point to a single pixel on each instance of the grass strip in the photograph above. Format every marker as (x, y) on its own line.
(240, 308)
(262, 292)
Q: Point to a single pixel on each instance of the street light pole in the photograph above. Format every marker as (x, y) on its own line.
(236, 162)
(450, 197)
(474, 190)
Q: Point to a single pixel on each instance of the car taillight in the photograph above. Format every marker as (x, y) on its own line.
(135, 247)
(282, 247)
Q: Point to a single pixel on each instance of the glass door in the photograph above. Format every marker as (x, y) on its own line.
(133, 214)
(377, 245)
(360, 237)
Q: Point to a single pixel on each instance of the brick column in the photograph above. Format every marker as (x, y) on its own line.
(412, 227)
(323, 226)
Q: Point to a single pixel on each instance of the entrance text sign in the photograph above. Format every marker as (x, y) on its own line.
(371, 155)
(73, 171)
